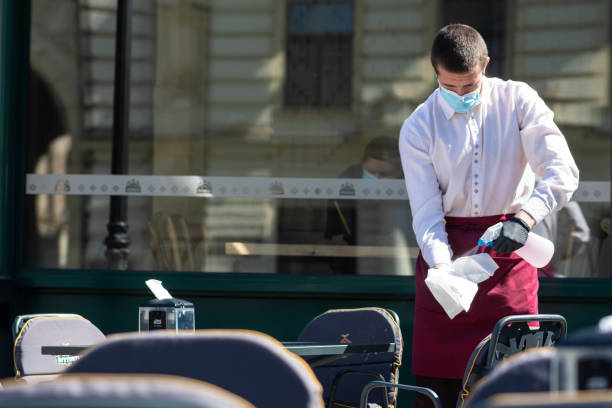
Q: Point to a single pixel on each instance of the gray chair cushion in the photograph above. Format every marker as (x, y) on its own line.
(125, 391)
(51, 330)
(249, 364)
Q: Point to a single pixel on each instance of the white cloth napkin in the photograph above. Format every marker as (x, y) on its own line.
(455, 286)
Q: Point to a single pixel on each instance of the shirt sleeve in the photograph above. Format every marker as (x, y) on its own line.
(424, 193)
(547, 153)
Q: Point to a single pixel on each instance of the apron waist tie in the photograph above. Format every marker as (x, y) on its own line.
(472, 223)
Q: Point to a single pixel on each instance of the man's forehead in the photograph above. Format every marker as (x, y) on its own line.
(459, 76)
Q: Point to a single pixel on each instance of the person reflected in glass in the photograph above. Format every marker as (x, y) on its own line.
(569, 232)
(470, 154)
(344, 224)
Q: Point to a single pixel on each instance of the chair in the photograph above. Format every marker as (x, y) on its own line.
(528, 371)
(581, 399)
(429, 393)
(31, 332)
(20, 320)
(125, 391)
(511, 334)
(247, 363)
(171, 242)
(344, 379)
(582, 361)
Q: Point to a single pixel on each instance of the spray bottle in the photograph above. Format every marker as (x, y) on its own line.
(538, 251)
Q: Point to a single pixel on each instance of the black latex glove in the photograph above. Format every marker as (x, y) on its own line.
(512, 236)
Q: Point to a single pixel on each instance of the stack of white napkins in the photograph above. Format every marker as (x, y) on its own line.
(455, 286)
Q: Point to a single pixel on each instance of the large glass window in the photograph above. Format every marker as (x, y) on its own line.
(263, 133)
(319, 54)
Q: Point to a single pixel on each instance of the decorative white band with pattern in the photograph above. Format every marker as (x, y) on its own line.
(265, 187)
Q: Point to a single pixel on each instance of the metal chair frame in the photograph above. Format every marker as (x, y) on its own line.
(384, 384)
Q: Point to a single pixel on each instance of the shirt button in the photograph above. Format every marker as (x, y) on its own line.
(475, 183)
(475, 153)
(475, 205)
(476, 161)
(476, 146)
(476, 212)
(475, 175)
(476, 190)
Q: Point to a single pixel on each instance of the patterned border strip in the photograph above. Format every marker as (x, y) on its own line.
(197, 186)
(262, 187)
(592, 192)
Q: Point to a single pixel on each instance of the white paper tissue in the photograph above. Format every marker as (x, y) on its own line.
(158, 290)
(453, 293)
(454, 287)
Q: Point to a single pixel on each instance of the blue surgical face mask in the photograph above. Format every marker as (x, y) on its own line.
(460, 103)
(367, 175)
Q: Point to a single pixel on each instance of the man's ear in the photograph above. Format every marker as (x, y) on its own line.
(484, 66)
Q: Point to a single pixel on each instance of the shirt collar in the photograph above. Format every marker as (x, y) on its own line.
(449, 112)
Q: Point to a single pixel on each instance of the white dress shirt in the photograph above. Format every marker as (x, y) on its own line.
(482, 162)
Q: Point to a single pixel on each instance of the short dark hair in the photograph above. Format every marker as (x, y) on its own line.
(381, 148)
(458, 48)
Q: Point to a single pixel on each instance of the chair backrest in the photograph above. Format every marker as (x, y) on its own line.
(581, 361)
(247, 363)
(370, 325)
(36, 331)
(582, 368)
(584, 359)
(511, 334)
(125, 391)
(581, 399)
(20, 320)
(528, 371)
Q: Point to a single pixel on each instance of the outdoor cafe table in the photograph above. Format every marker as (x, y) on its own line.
(316, 354)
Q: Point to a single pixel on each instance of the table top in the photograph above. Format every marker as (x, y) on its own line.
(303, 349)
(324, 349)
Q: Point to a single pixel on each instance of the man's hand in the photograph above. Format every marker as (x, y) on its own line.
(512, 236)
(442, 266)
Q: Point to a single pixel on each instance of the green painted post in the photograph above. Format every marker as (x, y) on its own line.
(14, 45)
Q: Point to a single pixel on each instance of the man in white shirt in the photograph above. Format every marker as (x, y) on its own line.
(470, 155)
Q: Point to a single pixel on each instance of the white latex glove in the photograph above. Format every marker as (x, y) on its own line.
(453, 293)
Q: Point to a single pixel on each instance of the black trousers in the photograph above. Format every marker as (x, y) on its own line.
(446, 388)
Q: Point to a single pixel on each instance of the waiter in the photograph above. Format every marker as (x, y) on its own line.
(470, 154)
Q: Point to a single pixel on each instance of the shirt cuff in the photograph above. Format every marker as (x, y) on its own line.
(441, 254)
(536, 208)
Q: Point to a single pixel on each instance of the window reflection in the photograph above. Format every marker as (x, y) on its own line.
(319, 54)
(280, 89)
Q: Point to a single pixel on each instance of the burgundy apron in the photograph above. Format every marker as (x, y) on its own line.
(441, 346)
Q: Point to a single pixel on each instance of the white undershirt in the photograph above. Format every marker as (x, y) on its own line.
(454, 165)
